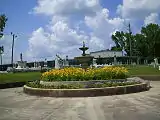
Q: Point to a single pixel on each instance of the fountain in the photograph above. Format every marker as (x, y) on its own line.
(85, 60)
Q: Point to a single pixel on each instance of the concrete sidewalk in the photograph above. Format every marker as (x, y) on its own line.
(15, 105)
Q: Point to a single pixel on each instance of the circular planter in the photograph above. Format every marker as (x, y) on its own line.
(87, 92)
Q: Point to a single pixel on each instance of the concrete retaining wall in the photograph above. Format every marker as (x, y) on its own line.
(87, 92)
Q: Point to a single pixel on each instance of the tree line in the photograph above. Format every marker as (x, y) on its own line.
(143, 44)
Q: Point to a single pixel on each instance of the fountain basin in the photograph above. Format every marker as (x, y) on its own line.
(85, 61)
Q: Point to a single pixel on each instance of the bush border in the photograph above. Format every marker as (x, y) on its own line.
(87, 92)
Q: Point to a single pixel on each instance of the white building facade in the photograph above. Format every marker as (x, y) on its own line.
(106, 53)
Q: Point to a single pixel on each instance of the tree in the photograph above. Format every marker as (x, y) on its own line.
(122, 40)
(141, 45)
(151, 35)
(148, 41)
(119, 39)
(3, 21)
(145, 44)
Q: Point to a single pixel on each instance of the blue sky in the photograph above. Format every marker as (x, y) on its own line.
(20, 21)
(45, 27)
(111, 5)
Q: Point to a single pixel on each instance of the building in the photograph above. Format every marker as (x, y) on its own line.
(106, 54)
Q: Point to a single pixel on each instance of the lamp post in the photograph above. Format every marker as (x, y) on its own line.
(13, 38)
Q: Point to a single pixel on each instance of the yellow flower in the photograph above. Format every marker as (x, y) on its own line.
(79, 72)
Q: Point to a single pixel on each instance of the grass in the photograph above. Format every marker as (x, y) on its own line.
(143, 70)
(24, 77)
(19, 77)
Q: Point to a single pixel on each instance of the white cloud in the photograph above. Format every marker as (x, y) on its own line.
(66, 7)
(138, 9)
(64, 35)
(102, 26)
(61, 39)
(152, 18)
(139, 12)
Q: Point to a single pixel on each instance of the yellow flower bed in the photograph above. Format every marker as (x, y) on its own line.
(79, 74)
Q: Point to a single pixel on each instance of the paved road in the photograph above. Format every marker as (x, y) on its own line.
(15, 105)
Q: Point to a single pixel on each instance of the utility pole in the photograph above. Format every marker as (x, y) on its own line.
(130, 45)
(13, 38)
(1, 52)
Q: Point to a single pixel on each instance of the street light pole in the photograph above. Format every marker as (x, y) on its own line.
(13, 37)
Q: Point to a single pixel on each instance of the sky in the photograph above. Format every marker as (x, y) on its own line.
(45, 28)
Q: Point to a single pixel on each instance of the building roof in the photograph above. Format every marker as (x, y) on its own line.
(105, 51)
